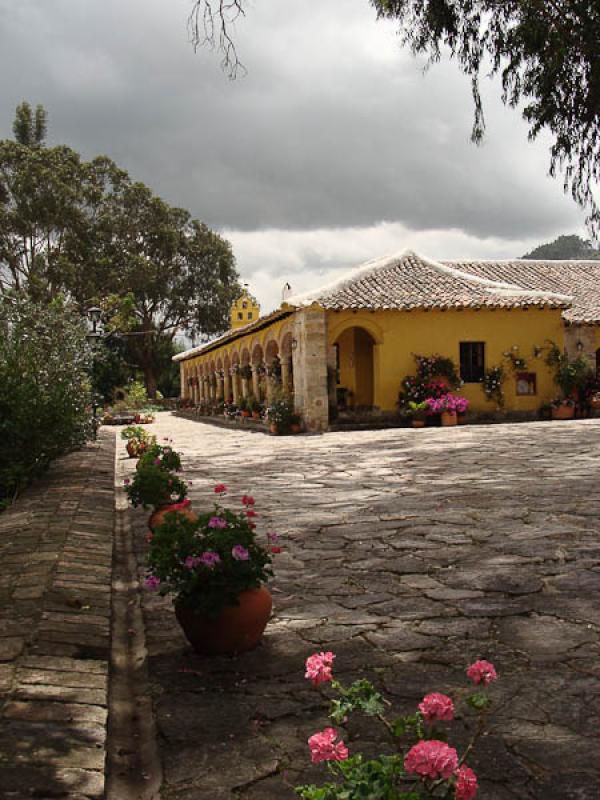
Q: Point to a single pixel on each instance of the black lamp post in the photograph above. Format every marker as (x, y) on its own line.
(93, 336)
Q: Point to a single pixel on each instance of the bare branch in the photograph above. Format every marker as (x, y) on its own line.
(210, 23)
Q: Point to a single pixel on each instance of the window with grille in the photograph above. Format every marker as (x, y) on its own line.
(472, 361)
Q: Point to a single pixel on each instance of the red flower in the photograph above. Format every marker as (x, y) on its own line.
(276, 550)
(251, 513)
(247, 500)
(220, 488)
(252, 525)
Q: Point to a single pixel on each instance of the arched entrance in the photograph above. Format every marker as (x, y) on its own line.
(355, 381)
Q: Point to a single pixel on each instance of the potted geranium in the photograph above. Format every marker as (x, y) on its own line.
(279, 415)
(156, 487)
(163, 456)
(138, 440)
(570, 377)
(216, 569)
(244, 408)
(448, 406)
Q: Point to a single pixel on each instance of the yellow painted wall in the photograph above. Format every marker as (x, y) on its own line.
(399, 334)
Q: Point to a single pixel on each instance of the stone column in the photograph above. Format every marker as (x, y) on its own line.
(286, 374)
(255, 382)
(310, 367)
(245, 387)
(227, 385)
(220, 387)
(182, 381)
(236, 392)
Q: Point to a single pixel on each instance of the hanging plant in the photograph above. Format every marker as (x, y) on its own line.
(492, 385)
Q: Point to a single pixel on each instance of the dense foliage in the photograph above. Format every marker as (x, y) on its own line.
(44, 388)
(86, 231)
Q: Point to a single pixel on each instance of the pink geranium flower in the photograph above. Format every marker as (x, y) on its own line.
(482, 672)
(437, 706)
(240, 553)
(126, 482)
(220, 488)
(318, 667)
(152, 583)
(431, 759)
(217, 522)
(192, 562)
(210, 558)
(323, 747)
(272, 537)
(466, 784)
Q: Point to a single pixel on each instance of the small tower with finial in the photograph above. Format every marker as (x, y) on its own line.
(244, 310)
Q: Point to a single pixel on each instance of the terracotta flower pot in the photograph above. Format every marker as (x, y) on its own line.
(158, 515)
(256, 415)
(449, 418)
(418, 423)
(295, 428)
(133, 449)
(273, 428)
(245, 413)
(461, 419)
(236, 629)
(563, 412)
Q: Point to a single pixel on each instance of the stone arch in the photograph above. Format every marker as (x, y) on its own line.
(360, 321)
(355, 367)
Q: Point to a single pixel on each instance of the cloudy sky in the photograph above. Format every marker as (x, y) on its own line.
(335, 148)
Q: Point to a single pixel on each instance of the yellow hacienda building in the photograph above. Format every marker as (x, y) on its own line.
(352, 342)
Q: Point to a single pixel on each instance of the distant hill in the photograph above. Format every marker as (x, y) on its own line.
(567, 248)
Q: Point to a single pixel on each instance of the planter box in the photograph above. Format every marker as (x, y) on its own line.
(563, 412)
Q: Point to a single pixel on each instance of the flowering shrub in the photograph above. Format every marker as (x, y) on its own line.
(435, 374)
(425, 767)
(447, 402)
(206, 563)
(430, 367)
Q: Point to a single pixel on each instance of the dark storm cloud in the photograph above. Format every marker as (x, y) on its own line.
(333, 126)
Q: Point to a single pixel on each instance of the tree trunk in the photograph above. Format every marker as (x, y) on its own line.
(150, 381)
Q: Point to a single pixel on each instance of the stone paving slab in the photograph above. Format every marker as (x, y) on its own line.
(56, 558)
(410, 554)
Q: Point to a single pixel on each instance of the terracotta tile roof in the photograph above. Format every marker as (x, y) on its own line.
(578, 278)
(409, 281)
(232, 334)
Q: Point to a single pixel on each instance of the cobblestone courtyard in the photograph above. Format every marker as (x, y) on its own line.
(409, 554)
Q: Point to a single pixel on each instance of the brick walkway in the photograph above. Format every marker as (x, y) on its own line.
(55, 571)
(409, 553)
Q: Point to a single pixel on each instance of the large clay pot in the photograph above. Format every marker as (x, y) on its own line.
(448, 418)
(563, 412)
(245, 413)
(295, 428)
(236, 629)
(158, 515)
(273, 428)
